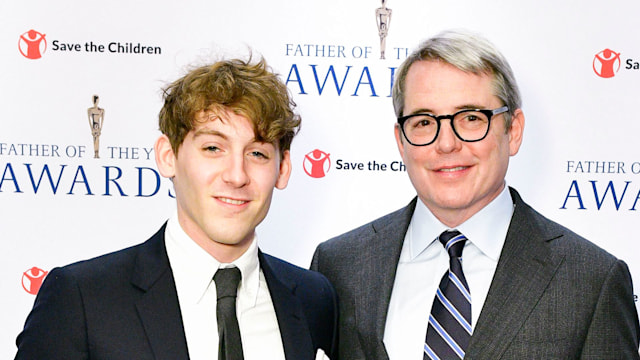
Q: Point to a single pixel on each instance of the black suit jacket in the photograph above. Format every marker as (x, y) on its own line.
(124, 306)
(554, 295)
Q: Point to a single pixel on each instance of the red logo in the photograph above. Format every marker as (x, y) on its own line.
(606, 63)
(32, 280)
(316, 163)
(32, 44)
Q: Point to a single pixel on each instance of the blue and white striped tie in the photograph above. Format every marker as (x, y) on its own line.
(449, 327)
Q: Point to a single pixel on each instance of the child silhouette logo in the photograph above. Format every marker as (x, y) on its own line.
(606, 63)
(316, 163)
(32, 44)
(32, 280)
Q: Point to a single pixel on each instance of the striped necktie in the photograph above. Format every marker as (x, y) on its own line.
(449, 327)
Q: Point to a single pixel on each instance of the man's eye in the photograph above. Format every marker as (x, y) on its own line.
(259, 154)
(423, 122)
(212, 148)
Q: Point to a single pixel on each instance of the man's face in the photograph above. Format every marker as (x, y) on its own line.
(223, 180)
(456, 179)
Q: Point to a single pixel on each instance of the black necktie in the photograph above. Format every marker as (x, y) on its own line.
(449, 329)
(230, 345)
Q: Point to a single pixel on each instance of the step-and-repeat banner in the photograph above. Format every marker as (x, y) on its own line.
(80, 93)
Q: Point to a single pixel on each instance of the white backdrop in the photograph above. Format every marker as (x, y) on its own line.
(578, 164)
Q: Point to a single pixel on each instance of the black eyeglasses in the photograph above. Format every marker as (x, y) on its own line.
(469, 125)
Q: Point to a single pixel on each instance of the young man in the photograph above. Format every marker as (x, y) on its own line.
(226, 133)
(508, 283)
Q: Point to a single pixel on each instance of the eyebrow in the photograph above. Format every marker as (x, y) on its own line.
(213, 132)
(458, 108)
(205, 131)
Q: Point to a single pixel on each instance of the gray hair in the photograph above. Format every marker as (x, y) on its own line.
(470, 53)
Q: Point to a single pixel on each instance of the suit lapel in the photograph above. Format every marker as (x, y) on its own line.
(379, 263)
(294, 329)
(525, 268)
(158, 308)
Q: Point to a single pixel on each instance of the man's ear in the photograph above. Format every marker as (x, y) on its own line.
(399, 139)
(165, 157)
(284, 171)
(516, 131)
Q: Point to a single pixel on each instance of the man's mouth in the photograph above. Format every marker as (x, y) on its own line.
(452, 169)
(232, 201)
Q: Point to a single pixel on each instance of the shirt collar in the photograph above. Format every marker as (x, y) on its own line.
(250, 269)
(193, 268)
(487, 229)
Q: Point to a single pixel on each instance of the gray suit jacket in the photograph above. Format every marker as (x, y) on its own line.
(554, 295)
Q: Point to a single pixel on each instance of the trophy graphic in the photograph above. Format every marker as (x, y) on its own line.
(96, 119)
(383, 19)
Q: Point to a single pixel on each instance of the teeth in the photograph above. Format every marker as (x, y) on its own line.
(458, 168)
(231, 201)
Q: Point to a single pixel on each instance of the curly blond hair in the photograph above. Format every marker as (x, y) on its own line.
(250, 90)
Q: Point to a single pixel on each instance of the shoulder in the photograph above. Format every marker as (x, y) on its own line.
(561, 240)
(597, 285)
(104, 266)
(115, 266)
(291, 274)
(312, 289)
(80, 297)
(70, 286)
(392, 223)
(384, 235)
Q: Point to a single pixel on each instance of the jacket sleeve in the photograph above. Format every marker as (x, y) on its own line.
(332, 349)
(614, 331)
(55, 328)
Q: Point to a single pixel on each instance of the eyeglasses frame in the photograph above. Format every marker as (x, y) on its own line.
(489, 113)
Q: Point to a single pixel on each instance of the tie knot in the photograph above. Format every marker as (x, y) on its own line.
(453, 242)
(227, 280)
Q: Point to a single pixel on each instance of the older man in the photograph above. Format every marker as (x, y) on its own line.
(468, 269)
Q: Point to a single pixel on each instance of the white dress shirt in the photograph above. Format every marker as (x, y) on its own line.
(423, 262)
(193, 270)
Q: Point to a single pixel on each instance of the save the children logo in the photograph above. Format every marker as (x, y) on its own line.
(606, 63)
(32, 280)
(316, 163)
(32, 44)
